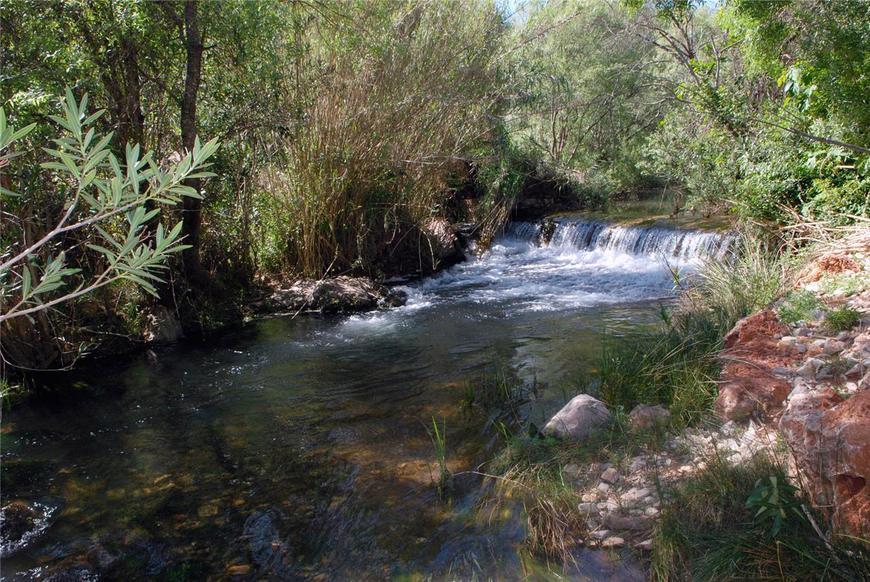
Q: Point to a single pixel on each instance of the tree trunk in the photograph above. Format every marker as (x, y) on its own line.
(192, 207)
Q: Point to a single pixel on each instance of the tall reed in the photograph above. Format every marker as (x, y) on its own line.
(382, 135)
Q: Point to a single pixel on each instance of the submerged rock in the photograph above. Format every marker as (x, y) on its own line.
(16, 520)
(580, 419)
(21, 523)
(269, 553)
(161, 325)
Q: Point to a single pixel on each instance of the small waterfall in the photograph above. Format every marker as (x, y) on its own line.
(587, 235)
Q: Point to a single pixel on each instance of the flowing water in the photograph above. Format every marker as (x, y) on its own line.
(298, 448)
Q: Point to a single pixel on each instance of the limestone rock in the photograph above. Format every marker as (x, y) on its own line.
(334, 295)
(580, 419)
(443, 241)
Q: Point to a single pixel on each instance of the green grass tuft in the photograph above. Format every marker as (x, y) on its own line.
(842, 319)
(438, 435)
(799, 306)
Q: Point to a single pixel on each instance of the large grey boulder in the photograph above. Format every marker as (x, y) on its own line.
(581, 418)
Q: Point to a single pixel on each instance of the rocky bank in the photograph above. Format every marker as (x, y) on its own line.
(804, 386)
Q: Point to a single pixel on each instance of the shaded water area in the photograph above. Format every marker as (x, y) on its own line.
(298, 448)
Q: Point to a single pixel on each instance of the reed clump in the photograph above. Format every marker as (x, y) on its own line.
(382, 141)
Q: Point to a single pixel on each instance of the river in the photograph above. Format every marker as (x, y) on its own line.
(298, 448)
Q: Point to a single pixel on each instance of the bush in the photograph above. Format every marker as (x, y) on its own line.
(842, 319)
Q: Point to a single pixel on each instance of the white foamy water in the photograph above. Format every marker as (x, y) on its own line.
(667, 243)
(585, 264)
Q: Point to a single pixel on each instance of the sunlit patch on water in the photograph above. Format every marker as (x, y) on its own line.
(39, 519)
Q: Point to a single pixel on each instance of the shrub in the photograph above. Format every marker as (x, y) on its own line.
(842, 319)
(381, 135)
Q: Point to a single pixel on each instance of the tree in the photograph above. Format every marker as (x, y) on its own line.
(191, 35)
(105, 213)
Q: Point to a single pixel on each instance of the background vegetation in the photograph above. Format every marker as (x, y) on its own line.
(349, 128)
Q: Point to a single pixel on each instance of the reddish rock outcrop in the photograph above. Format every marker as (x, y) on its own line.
(830, 438)
(829, 265)
(751, 352)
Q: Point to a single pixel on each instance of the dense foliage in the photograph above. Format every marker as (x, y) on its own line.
(348, 128)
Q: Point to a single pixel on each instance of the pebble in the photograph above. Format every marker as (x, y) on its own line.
(589, 496)
(809, 368)
(637, 464)
(587, 508)
(611, 476)
(634, 495)
(834, 346)
(603, 487)
(645, 545)
(572, 471)
(600, 534)
(651, 511)
(613, 542)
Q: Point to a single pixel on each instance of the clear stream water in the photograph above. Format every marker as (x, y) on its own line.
(298, 448)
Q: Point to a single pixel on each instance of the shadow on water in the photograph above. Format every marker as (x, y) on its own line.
(298, 448)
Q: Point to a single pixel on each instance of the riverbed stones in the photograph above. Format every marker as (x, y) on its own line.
(622, 523)
(634, 495)
(613, 542)
(583, 417)
(587, 508)
(645, 545)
